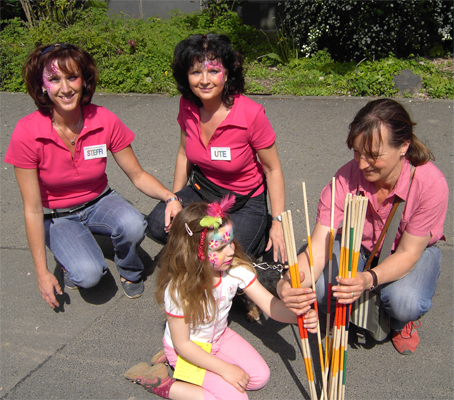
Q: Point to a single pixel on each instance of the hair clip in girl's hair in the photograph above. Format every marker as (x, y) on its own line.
(188, 229)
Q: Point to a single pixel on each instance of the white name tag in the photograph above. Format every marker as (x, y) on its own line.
(98, 151)
(220, 153)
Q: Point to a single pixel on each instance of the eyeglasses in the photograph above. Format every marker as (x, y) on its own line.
(64, 46)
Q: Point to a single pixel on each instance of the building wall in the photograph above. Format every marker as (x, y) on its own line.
(152, 8)
(259, 14)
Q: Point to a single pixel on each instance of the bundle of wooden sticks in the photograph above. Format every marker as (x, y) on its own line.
(333, 361)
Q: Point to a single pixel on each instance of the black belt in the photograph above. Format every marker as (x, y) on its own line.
(58, 213)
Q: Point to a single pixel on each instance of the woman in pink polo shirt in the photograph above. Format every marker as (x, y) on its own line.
(227, 145)
(59, 156)
(386, 153)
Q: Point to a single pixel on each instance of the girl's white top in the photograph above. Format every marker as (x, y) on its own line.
(224, 292)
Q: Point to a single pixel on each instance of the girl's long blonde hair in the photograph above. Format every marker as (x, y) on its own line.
(191, 280)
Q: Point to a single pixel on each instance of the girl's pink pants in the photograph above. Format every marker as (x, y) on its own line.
(231, 348)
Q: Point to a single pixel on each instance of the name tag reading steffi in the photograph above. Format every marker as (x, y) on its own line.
(220, 153)
(98, 151)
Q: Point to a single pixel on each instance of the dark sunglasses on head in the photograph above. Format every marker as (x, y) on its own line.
(55, 45)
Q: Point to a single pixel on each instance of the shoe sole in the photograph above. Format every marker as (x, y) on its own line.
(135, 296)
(144, 375)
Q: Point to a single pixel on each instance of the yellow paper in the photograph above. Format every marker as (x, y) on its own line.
(188, 372)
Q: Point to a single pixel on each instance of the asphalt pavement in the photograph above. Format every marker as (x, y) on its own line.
(82, 350)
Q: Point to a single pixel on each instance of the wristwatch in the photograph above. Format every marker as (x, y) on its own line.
(374, 280)
(278, 218)
(174, 199)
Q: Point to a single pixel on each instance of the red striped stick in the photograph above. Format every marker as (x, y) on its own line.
(311, 265)
(289, 238)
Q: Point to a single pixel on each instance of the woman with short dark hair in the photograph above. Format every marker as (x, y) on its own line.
(227, 145)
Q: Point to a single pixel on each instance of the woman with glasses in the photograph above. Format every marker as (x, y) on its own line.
(390, 164)
(59, 156)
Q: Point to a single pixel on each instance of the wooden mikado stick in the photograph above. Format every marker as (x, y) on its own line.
(295, 281)
(311, 266)
(358, 214)
(335, 358)
(329, 336)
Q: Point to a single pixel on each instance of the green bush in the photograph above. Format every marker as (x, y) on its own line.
(353, 29)
(135, 55)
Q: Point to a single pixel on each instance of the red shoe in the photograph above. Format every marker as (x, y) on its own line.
(406, 341)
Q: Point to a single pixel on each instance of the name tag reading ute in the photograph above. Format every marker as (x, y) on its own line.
(98, 151)
(221, 153)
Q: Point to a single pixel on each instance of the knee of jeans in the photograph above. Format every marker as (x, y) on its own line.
(405, 305)
(132, 227)
(87, 278)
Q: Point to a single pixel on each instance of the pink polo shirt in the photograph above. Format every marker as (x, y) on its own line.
(245, 130)
(65, 181)
(425, 207)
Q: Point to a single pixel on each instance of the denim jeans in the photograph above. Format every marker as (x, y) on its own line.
(249, 222)
(71, 240)
(404, 300)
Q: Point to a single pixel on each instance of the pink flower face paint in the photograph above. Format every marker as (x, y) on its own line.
(213, 259)
(215, 66)
(48, 74)
(220, 247)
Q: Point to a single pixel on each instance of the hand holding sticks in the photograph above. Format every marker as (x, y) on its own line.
(289, 239)
(336, 349)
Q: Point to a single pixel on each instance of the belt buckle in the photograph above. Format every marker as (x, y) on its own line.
(55, 214)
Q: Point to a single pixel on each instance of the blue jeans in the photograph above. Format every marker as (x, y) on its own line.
(249, 222)
(404, 300)
(71, 240)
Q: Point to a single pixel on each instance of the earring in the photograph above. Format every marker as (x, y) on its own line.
(44, 91)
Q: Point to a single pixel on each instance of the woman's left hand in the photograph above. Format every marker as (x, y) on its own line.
(277, 242)
(311, 321)
(350, 289)
(172, 209)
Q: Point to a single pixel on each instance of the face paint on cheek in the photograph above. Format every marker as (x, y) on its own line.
(213, 259)
(48, 73)
(227, 237)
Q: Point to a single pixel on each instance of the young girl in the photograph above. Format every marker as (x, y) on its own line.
(201, 269)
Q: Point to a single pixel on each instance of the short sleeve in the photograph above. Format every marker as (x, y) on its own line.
(244, 275)
(429, 216)
(22, 150)
(262, 134)
(121, 135)
(171, 308)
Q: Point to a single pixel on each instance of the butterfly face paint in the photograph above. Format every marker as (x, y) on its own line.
(207, 79)
(215, 67)
(49, 73)
(220, 247)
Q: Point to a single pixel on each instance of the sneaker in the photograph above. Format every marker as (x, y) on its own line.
(407, 339)
(159, 358)
(132, 289)
(148, 377)
(69, 284)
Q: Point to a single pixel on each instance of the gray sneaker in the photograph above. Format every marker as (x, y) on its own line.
(68, 282)
(133, 290)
